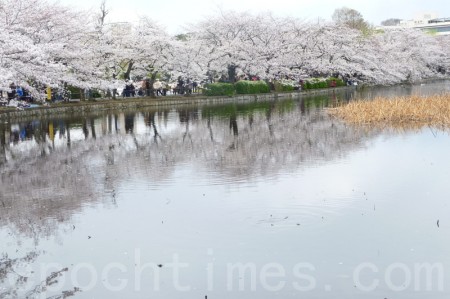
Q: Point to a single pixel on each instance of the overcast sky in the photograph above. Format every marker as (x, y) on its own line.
(174, 13)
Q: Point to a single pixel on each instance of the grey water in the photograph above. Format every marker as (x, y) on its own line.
(264, 199)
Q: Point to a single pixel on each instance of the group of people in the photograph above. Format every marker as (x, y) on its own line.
(160, 88)
(14, 93)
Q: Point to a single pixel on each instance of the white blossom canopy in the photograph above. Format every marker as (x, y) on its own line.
(47, 44)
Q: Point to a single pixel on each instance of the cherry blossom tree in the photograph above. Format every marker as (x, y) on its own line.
(43, 44)
(444, 43)
(406, 55)
(190, 58)
(225, 36)
(47, 44)
(141, 50)
(152, 50)
(267, 46)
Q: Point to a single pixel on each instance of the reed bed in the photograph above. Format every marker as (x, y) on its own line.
(413, 112)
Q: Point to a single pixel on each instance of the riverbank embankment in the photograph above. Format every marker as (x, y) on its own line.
(88, 107)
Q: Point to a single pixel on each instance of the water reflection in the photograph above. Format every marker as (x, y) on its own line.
(51, 168)
(424, 89)
(184, 179)
(55, 166)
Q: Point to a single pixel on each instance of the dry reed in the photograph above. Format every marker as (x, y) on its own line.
(413, 112)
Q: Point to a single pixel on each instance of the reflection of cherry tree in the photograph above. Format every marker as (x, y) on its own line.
(17, 282)
(284, 131)
(237, 141)
(149, 118)
(38, 202)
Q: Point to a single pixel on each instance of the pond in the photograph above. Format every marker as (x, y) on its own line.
(267, 199)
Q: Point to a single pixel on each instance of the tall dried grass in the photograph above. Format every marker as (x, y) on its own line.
(413, 112)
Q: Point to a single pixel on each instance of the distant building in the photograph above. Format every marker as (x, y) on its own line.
(429, 22)
(419, 20)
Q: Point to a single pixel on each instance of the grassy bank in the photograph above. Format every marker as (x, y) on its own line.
(412, 112)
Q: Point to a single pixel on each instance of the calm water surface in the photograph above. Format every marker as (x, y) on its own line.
(245, 200)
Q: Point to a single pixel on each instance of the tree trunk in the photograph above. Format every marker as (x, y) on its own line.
(231, 73)
(127, 73)
(151, 80)
(81, 91)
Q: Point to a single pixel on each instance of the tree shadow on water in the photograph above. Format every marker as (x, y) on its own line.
(16, 285)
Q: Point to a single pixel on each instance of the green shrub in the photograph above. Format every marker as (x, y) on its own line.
(95, 94)
(282, 86)
(75, 92)
(218, 89)
(317, 83)
(322, 84)
(251, 87)
(306, 85)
